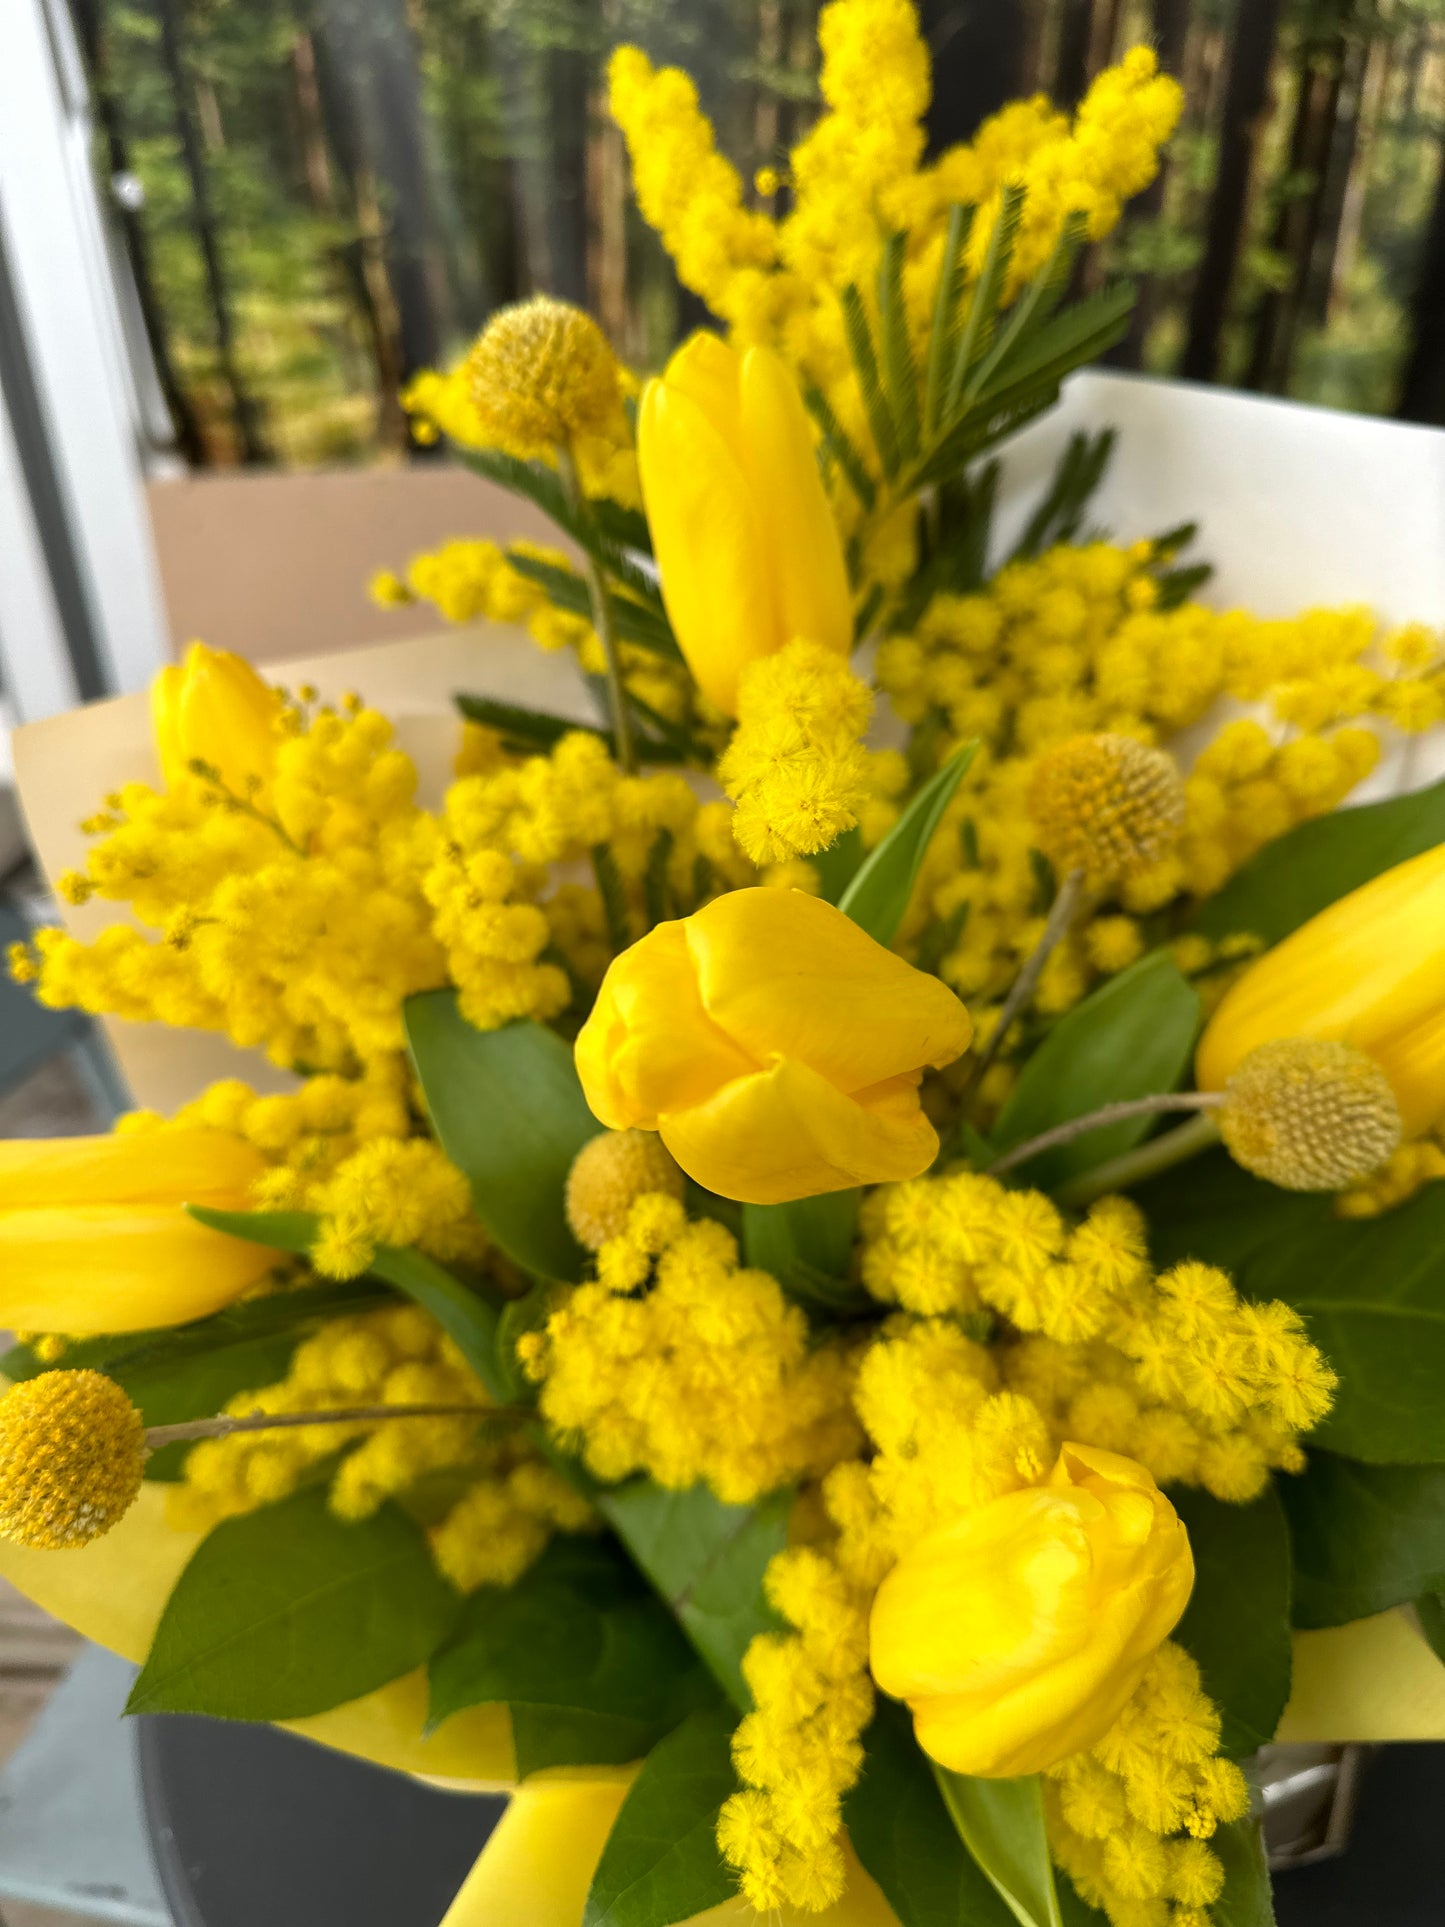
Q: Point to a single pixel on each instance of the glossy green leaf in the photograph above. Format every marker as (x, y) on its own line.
(1238, 1619)
(1247, 1900)
(591, 1663)
(293, 1231)
(707, 1561)
(1001, 1822)
(878, 895)
(1372, 1290)
(1133, 1037)
(1365, 1537)
(202, 1387)
(289, 1611)
(1302, 872)
(1430, 1610)
(661, 1861)
(902, 1832)
(807, 1246)
(508, 1110)
(839, 863)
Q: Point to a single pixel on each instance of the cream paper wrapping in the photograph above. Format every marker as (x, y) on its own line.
(1296, 506)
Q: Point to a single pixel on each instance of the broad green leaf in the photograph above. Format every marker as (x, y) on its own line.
(519, 1316)
(1430, 1610)
(1310, 867)
(707, 1561)
(1372, 1290)
(878, 895)
(293, 1231)
(1247, 1900)
(1001, 1822)
(589, 1660)
(202, 1387)
(661, 1861)
(808, 1247)
(838, 864)
(1238, 1619)
(1131, 1038)
(901, 1831)
(1365, 1537)
(1076, 1912)
(508, 1110)
(289, 1611)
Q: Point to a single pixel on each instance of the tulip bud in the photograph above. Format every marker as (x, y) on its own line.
(1017, 1634)
(774, 1046)
(215, 710)
(1309, 1115)
(748, 549)
(1368, 971)
(72, 1457)
(1106, 805)
(94, 1236)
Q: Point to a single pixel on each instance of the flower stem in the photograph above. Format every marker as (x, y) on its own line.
(223, 1427)
(1066, 902)
(601, 614)
(1159, 1154)
(1097, 1120)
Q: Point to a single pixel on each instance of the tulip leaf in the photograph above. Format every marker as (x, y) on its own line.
(1132, 1037)
(661, 1861)
(878, 896)
(1315, 864)
(807, 1245)
(289, 1611)
(591, 1663)
(1001, 1822)
(707, 1561)
(1372, 1291)
(1237, 1625)
(1430, 1611)
(1247, 1900)
(508, 1110)
(839, 863)
(902, 1833)
(1365, 1537)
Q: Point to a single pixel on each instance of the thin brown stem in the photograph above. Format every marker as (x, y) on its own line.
(225, 1426)
(1107, 1114)
(1066, 902)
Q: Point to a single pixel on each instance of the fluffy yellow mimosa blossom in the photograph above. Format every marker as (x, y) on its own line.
(749, 552)
(1368, 971)
(1017, 1634)
(541, 375)
(72, 1456)
(213, 709)
(94, 1235)
(774, 1045)
(1309, 1114)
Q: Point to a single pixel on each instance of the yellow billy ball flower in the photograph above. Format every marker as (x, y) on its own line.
(214, 709)
(541, 373)
(1018, 1633)
(775, 1047)
(72, 1455)
(1368, 971)
(607, 1178)
(94, 1236)
(1106, 805)
(748, 549)
(1309, 1114)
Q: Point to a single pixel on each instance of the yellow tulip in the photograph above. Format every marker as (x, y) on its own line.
(214, 708)
(748, 549)
(93, 1237)
(1017, 1634)
(1368, 971)
(773, 1045)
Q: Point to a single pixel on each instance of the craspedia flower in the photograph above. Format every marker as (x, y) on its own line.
(540, 374)
(72, 1456)
(1309, 1115)
(608, 1175)
(1105, 804)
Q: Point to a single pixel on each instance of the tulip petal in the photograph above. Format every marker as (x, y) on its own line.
(224, 713)
(183, 1164)
(788, 1133)
(781, 971)
(1414, 1062)
(709, 372)
(802, 534)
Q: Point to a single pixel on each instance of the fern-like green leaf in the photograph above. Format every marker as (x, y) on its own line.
(1080, 470)
(1034, 306)
(865, 361)
(633, 620)
(838, 444)
(899, 374)
(947, 299)
(977, 332)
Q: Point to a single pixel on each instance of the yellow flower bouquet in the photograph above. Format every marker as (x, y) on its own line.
(818, 1303)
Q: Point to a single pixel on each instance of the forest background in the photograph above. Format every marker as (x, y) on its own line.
(318, 197)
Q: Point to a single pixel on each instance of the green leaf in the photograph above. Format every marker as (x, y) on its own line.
(1131, 1038)
(1238, 1619)
(878, 895)
(865, 362)
(1034, 304)
(1372, 1290)
(289, 1611)
(899, 373)
(1001, 1822)
(587, 1657)
(838, 445)
(838, 864)
(947, 297)
(626, 528)
(707, 1561)
(1365, 1537)
(901, 1831)
(1247, 1900)
(1079, 472)
(173, 1391)
(661, 1861)
(1311, 866)
(1430, 1610)
(293, 1231)
(977, 331)
(508, 1110)
(808, 1247)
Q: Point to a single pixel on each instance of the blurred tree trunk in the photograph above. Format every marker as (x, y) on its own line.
(1320, 64)
(1337, 255)
(1246, 98)
(978, 49)
(246, 410)
(1071, 65)
(1171, 35)
(1422, 395)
